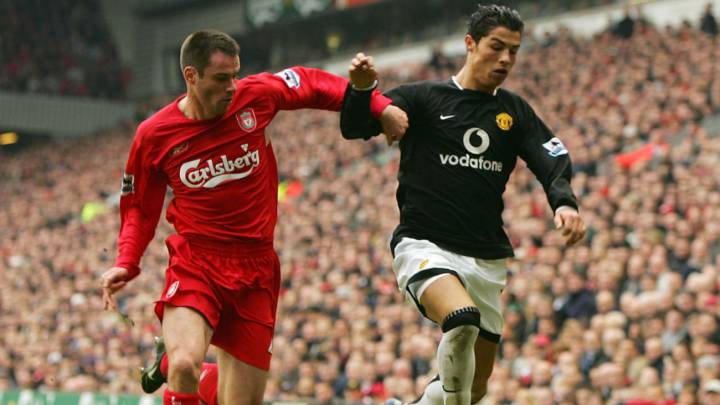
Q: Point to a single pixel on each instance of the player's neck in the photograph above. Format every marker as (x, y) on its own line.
(466, 80)
(193, 109)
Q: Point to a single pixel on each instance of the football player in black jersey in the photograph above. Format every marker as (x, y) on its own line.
(463, 140)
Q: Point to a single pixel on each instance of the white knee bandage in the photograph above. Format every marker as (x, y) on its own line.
(456, 355)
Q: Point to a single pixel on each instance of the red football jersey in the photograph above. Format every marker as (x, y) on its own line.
(222, 171)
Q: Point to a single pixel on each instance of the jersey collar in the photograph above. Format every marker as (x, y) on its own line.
(454, 80)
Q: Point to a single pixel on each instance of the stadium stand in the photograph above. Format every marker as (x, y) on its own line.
(630, 316)
(59, 47)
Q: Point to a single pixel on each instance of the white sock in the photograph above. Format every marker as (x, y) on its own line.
(456, 361)
(433, 394)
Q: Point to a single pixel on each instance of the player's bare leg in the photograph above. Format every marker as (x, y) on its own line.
(447, 303)
(155, 376)
(239, 383)
(485, 352)
(187, 337)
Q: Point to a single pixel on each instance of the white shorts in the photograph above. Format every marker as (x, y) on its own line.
(418, 263)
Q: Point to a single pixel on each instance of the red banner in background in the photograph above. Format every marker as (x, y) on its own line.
(642, 154)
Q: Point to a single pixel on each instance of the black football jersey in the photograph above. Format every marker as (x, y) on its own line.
(456, 158)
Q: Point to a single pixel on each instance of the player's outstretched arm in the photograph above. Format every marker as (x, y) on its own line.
(355, 119)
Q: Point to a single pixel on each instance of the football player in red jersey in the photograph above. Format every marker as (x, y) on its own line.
(223, 278)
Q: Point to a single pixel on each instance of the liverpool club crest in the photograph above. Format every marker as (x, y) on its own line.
(246, 119)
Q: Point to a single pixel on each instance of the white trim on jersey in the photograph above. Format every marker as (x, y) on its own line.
(454, 79)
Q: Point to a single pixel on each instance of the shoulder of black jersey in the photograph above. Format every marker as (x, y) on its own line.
(433, 84)
(419, 89)
(425, 84)
(514, 102)
(510, 96)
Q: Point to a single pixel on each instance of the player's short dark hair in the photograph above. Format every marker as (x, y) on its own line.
(199, 46)
(489, 17)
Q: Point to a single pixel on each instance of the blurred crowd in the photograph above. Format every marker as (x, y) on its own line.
(630, 316)
(59, 47)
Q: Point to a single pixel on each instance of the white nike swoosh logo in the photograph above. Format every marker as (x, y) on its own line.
(445, 117)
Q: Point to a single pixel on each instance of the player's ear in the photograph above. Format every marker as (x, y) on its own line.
(469, 43)
(189, 74)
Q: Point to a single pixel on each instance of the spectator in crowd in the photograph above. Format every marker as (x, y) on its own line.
(592, 354)
(439, 61)
(626, 26)
(579, 302)
(711, 392)
(675, 332)
(708, 24)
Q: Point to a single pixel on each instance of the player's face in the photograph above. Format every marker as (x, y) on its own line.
(493, 56)
(215, 88)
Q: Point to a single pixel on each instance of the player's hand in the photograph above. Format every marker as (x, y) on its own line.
(112, 281)
(394, 123)
(572, 225)
(362, 71)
